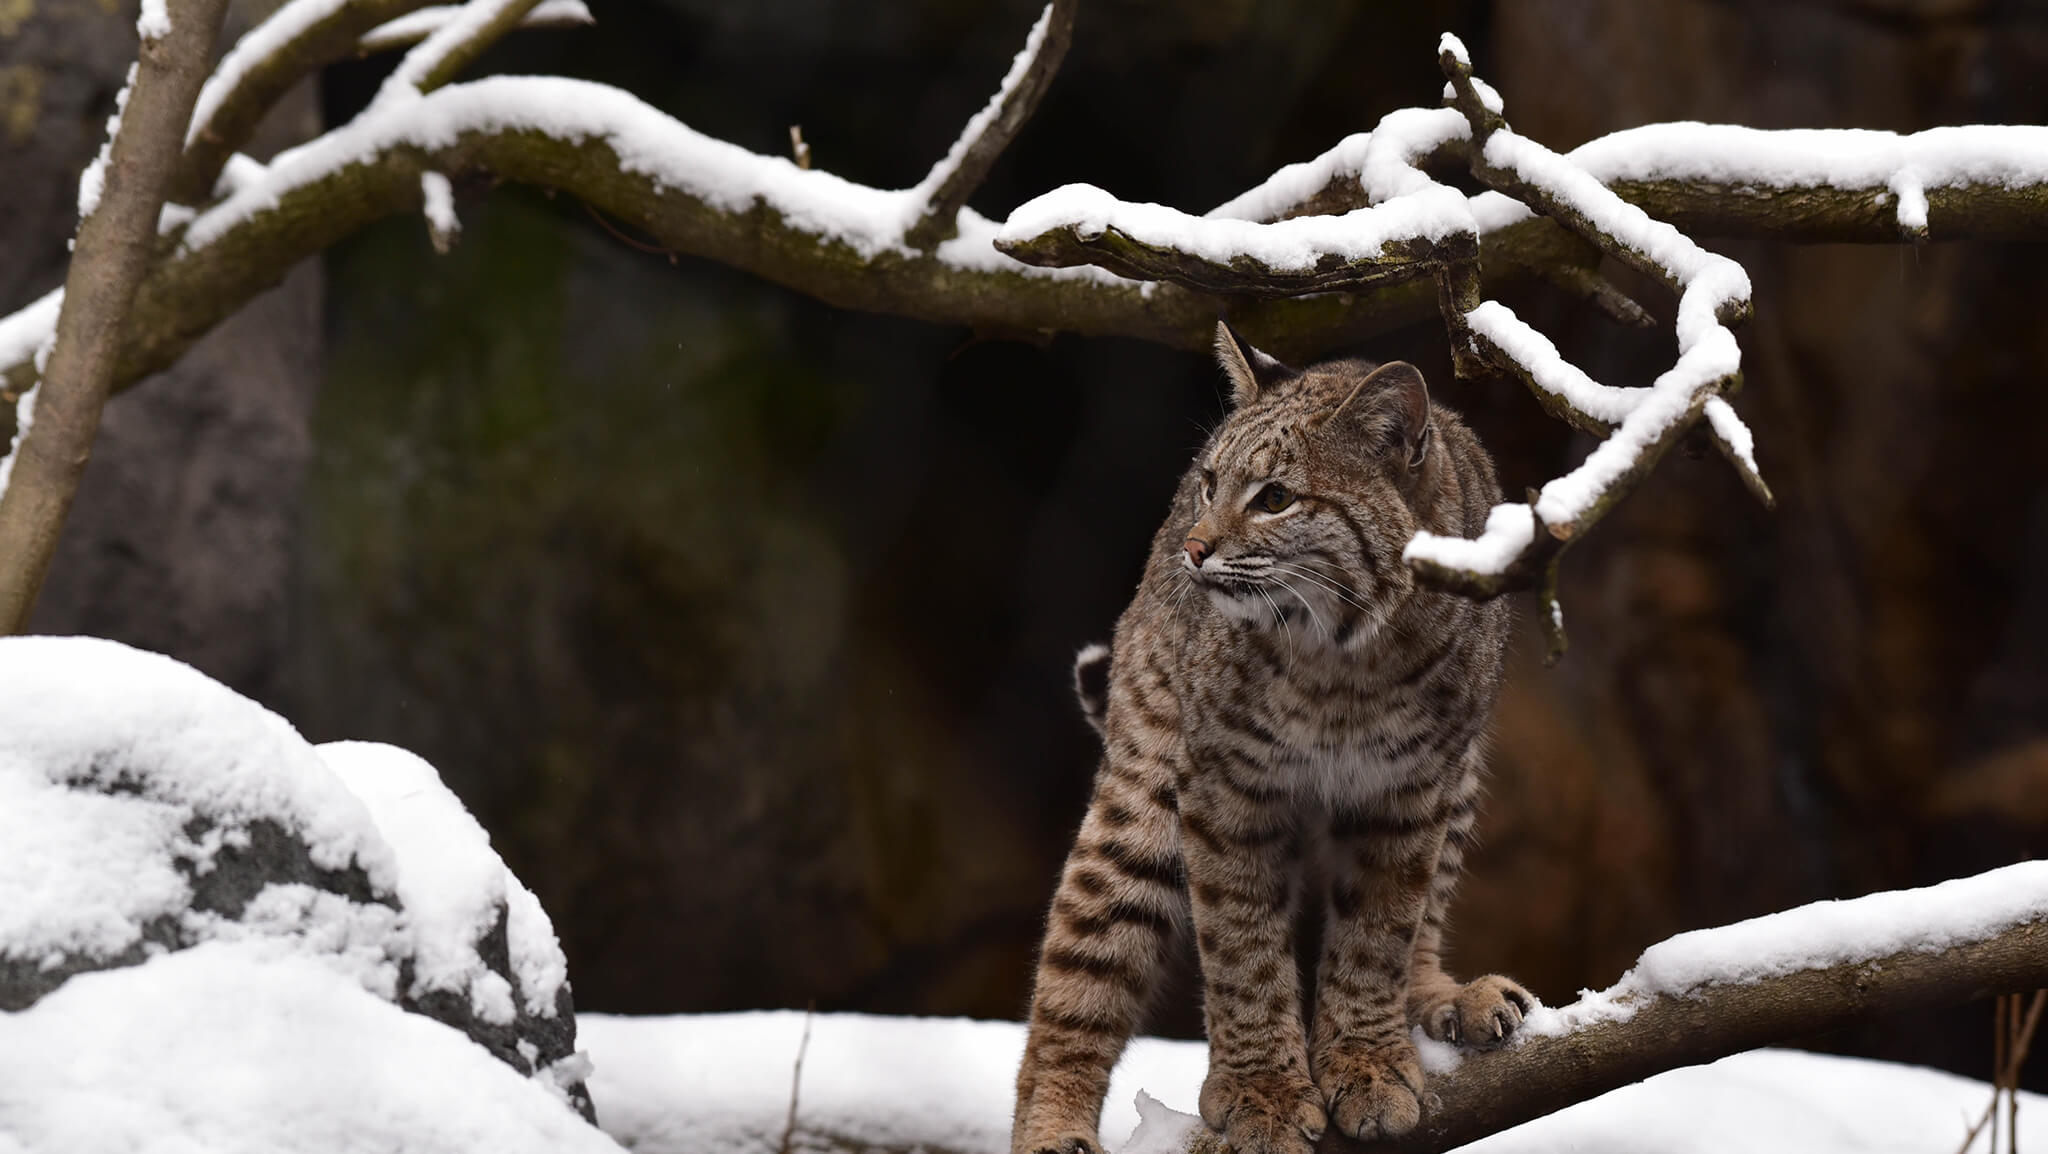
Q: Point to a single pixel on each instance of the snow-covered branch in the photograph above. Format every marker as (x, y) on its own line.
(460, 39)
(957, 174)
(296, 41)
(1358, 241)
(119, 198)
(1711, 993)
(421, 23)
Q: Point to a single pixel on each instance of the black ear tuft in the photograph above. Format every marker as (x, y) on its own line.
(1250, 371)
(1091, 684)
(1390, 408)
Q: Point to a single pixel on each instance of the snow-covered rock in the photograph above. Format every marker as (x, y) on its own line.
(148, 812)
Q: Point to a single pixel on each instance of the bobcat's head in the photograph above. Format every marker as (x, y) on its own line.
(1308, 492)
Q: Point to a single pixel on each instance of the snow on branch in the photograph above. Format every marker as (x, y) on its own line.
(297, 40)
(419, 24)
(460, 39)
(954, 178)
(1357, 242)
(1710, 993)
(1399, 240)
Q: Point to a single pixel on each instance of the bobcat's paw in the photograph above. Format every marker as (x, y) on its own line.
(1263, 1113)
(1372, 1093)
(1483, 1013)
(1071, 1142)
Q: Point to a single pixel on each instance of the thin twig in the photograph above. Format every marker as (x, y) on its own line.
(2010, 1040)
(621, 237)
(796, 1078)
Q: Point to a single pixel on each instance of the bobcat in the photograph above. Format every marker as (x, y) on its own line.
(1286, 716)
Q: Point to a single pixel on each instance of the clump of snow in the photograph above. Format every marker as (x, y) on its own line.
(1437, 1057)
(240, 171)
(1161, 1128)
(1488, 95)
(1509, 529)
(1447, 44)
(155, 21)
(437, 201)
(226, 1047)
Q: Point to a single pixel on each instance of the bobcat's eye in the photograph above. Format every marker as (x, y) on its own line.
(1208, 484)
(1273, 498)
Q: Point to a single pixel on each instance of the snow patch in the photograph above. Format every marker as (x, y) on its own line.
(228, 1048)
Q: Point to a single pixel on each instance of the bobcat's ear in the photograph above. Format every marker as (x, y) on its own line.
(1390, 409)
(1250, 371)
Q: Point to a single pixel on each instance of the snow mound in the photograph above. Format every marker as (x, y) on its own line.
(720, 1084)
(227, 1048)
(146, 811)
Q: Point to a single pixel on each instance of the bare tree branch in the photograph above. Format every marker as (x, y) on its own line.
(119, 201)
(955, 177)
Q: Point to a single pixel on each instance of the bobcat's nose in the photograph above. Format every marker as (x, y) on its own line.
(1198, 550)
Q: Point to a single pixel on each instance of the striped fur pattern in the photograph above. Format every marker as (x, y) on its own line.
(1287, 719)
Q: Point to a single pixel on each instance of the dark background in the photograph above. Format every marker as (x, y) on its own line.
(743, 623)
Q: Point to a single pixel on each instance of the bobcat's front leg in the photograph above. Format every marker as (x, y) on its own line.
(1243, 854)
(1381, 863)
(1486, 1011)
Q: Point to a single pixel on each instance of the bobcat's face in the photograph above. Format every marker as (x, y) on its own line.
(1303, 500)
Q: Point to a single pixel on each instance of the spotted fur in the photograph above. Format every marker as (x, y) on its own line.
(1287, 718)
